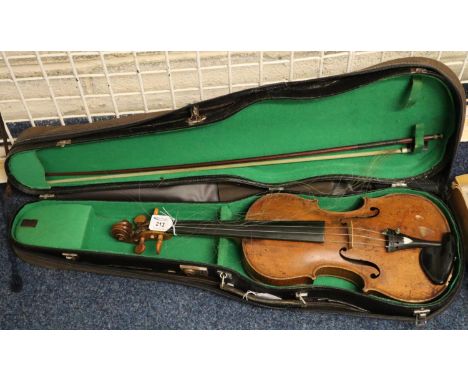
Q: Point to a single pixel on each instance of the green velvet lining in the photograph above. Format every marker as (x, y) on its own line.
(73, 219)
(414, 90)
(386, 109)
(419, 138)
(28, 169)
(85, 225)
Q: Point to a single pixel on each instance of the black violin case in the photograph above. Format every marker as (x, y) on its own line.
(66, 223)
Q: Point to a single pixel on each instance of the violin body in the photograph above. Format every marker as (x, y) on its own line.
(354, 246)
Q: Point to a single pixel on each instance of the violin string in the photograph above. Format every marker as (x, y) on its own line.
(309, 228)
(358, 243)
(355, 243)
(266, 222)
(269, 231)
(275, 222)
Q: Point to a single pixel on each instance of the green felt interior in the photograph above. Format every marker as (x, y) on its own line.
(390, 108)
(85, 225)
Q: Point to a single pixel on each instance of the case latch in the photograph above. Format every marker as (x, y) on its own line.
(224, 276)
(300, 296)
(70, 256)
(195, 116)
(421, 316)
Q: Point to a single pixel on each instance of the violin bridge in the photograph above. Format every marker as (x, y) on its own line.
(349, 231)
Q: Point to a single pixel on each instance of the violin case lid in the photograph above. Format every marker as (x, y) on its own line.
(406, 98)
(398, 99)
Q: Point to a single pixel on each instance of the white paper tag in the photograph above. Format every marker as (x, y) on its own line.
(161, 223)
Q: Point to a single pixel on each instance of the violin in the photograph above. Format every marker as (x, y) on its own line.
(399, 245)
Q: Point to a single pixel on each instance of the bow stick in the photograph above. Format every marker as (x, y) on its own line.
(295, 157)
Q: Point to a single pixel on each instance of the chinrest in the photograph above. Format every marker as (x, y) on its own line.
(437, 262)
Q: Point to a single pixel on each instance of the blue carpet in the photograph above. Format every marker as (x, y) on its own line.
(52, 299)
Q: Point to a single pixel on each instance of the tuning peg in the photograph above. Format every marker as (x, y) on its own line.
(140, 219)
(140, 247)
(159, 243)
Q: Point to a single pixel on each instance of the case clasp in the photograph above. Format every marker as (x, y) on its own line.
(195, 116)
(223, 276)
(70, 256)
(300, 296)
(421, 316)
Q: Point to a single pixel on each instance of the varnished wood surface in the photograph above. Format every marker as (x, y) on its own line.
(401, 276)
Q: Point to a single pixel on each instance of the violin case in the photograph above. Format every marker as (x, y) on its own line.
(66, 225)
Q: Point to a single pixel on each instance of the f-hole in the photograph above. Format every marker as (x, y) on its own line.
(373, 275)
(375, 211)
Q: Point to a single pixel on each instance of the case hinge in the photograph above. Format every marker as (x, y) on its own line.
(275, 189)
(70, 256)
(192, 270)
(421, 316)
(399, 184)
(46, 196)
(63, 142)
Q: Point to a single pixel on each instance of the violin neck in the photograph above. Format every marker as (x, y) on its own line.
(304, 231)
